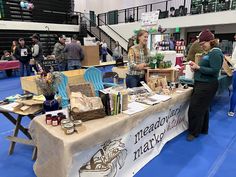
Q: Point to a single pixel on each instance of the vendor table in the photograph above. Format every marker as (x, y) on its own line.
(5, 65)
(17, 122)
(74, 77)
(117, 146)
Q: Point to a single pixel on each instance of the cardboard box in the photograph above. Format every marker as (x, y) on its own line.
(91, 55)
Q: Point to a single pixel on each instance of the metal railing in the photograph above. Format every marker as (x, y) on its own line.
(95, 31)
(185, 7)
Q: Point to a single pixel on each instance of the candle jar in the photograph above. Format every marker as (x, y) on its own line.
(69, 128)
(60, 117)
(64, 122)
(55, 121)
(48, 119)
(77, 123)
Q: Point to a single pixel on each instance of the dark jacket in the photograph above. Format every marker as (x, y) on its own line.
(74, 51)
(23, 54)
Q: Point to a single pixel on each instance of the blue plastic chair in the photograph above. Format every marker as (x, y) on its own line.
(61, 88)
(94, 76)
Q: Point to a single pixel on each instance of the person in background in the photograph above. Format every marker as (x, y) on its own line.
(206, 74)
(190, 44)
(231, 112)
(100, 50)
(131, 42)
(172, 43)
(7, 57)
(104, 51)
(137, 60)
(75, 54)
(59, 54)
(193, 50)
(13, 47)
(37, 51)
(116, 54)
(131, 19)
(234, 43)
(23, 54)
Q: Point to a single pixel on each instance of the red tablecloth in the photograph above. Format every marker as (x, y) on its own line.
(4, 65)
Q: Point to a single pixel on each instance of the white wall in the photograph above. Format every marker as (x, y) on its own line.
(102, 6)
(226, 20)
(15, 25)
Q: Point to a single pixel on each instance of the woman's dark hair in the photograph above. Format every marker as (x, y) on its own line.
(214, 43)
(140, 33)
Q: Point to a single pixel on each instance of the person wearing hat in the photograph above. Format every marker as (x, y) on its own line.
(74, 55)
(23, 54)
(206, 74)
(59, 54)
(37, 49)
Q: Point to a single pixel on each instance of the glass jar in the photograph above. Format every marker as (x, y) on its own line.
(77, 123)
(69, 128)
(64, 122)
(48, 119)
(55, 121)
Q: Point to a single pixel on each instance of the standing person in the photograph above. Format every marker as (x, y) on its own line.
(172, 43)
(206, 74)
(194, 49)
(37, 51)
(13, 47)
(23, 54)
(116, 54)
(234, 43)
(137, 60)
(75, 54)
(231, 112)
(104, 51)
(59, 54)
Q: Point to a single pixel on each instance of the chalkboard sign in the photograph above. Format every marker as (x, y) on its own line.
(50, 65)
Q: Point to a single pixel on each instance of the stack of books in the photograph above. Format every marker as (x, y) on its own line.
(114, 101)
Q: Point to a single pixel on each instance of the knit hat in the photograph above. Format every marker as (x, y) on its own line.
(206, 35)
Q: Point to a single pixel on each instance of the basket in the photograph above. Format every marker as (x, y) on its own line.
(88, 115)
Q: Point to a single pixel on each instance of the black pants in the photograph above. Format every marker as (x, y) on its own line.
(198, 114)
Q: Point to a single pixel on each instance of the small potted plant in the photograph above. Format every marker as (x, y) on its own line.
(155, 60)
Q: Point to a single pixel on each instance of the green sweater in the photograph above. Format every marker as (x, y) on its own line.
(210, 66)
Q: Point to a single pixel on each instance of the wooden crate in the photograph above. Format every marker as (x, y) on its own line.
(170, 73)
(74, 77)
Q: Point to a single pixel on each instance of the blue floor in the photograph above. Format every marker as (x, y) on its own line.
(210, 155)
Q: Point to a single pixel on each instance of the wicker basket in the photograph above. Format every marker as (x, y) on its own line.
(88, 115)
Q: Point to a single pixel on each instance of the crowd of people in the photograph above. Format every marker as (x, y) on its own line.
(68, 57)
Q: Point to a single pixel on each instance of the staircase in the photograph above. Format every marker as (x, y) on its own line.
(95, 31)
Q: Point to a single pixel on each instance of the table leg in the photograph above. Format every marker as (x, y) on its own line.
(14, 121)
(18, 123)
(34, 156)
